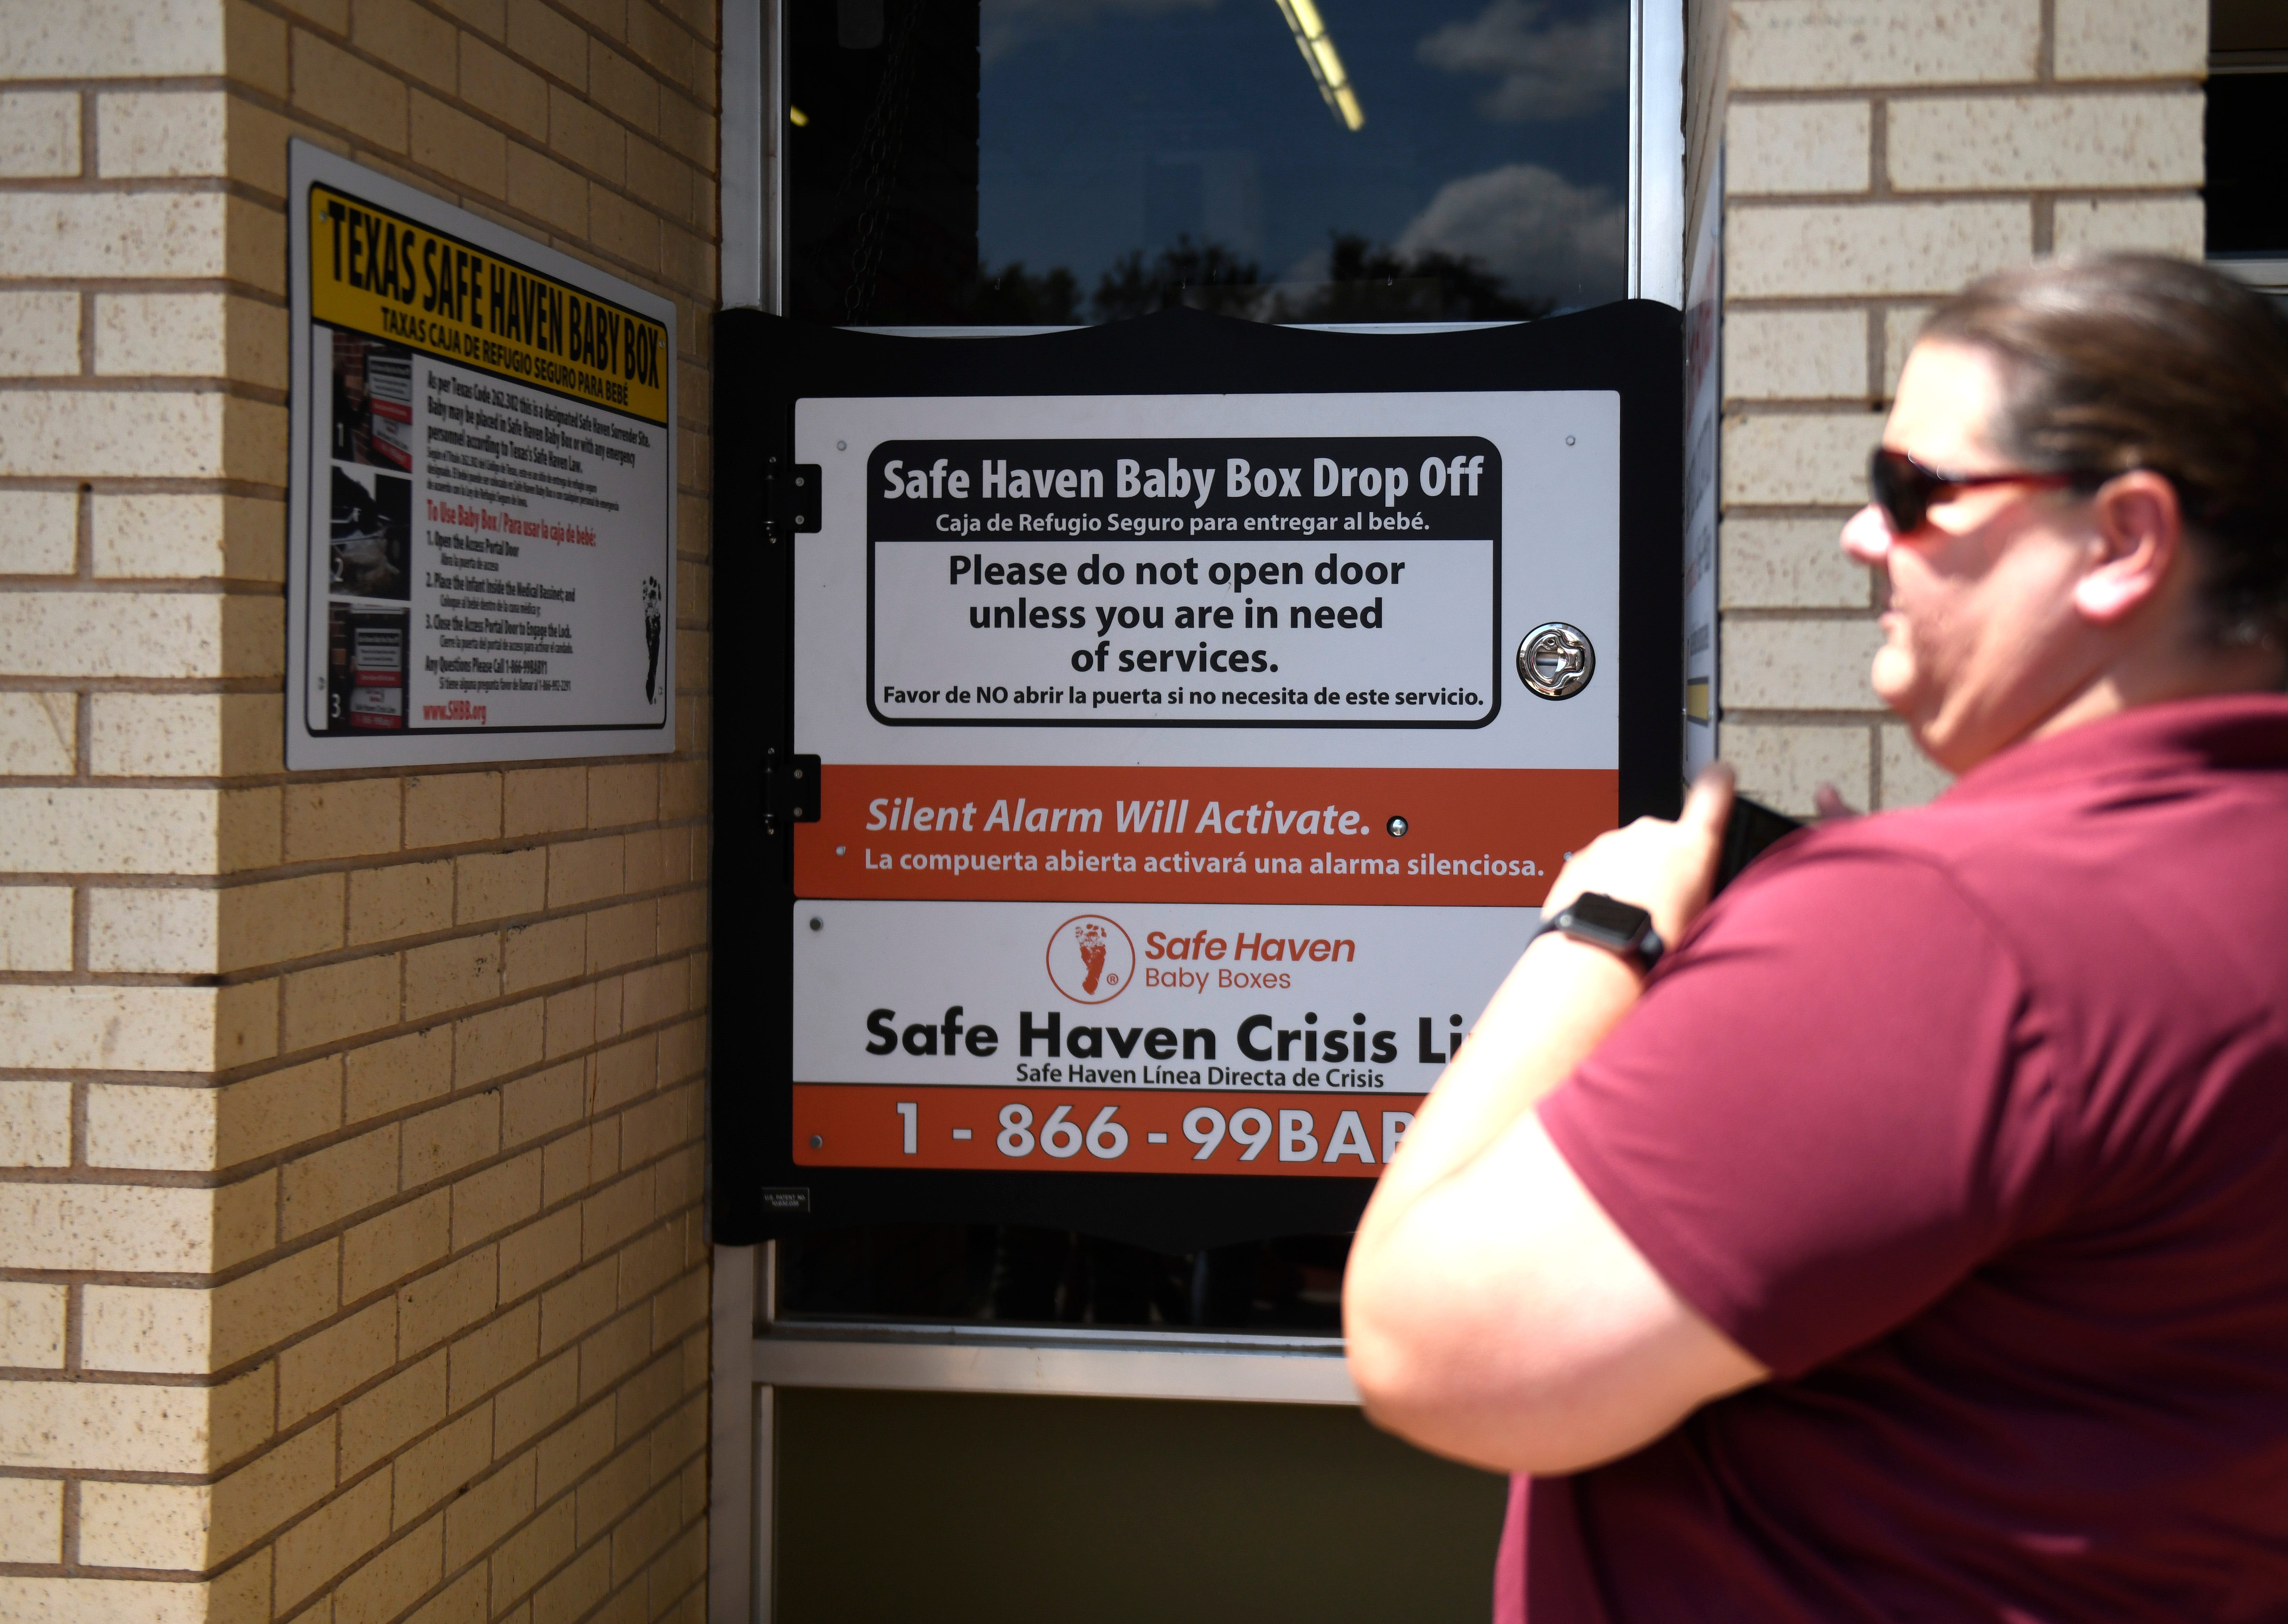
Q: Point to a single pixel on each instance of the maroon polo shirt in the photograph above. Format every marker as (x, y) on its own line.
(1970, 1121)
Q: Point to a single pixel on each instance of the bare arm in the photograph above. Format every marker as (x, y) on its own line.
(1494, 1312)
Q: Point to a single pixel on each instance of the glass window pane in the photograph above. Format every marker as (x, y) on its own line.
(1032, 161)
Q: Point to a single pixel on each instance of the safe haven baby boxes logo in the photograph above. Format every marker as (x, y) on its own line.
(1091, 959)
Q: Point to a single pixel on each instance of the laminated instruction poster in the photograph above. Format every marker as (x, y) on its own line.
(481, 510)
(1191, 768)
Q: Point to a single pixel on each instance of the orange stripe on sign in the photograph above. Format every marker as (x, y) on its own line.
(1099, 1131)
(1475, 837)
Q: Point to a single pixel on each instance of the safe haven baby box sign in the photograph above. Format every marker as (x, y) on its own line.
(1181, 797)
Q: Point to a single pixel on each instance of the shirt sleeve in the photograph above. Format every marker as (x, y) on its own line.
(1825, 1112)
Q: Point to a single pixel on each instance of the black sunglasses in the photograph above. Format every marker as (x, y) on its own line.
(1904, 490)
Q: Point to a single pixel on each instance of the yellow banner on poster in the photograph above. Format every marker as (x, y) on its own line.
(375, 271)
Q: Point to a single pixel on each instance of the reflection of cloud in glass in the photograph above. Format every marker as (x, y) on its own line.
(1532, 226)
(1004, 25)
(1550, 69)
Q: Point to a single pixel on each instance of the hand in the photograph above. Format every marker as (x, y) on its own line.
(1829, 805)
(1666, 869)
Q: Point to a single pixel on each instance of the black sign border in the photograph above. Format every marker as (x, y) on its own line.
(763, 365)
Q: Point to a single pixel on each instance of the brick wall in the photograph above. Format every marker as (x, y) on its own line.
(350, 1255)
(1879, 154)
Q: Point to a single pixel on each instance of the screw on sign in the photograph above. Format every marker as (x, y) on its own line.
(1555, 661)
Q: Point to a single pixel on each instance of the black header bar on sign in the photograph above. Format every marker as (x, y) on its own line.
(1433, 487)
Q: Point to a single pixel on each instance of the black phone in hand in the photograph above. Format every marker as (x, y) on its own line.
(1753, 830)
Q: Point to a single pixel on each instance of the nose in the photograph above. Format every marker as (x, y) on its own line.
(1867, 536)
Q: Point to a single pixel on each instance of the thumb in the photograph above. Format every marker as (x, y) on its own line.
(1710, 803)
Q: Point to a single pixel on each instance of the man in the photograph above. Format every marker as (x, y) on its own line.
(1913, 1243)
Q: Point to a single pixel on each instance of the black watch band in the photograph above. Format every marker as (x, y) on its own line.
(1608, 922)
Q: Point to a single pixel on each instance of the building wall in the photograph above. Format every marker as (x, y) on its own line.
(1879, 155)
(350, 1255)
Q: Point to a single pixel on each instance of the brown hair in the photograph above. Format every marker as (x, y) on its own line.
(2132, 361)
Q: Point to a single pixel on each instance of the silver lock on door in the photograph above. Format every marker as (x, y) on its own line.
(1555, 661)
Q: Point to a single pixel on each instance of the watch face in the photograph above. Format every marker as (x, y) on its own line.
(1623, 920)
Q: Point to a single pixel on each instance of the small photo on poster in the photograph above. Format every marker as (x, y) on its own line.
(372, 525)
(373, 402)
(365, 668)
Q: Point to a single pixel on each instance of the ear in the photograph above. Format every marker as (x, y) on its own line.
(2140, 536)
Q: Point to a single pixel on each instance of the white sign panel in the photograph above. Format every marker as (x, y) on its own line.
(481, 528)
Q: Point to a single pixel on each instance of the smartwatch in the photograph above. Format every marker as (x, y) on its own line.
(1620, 927)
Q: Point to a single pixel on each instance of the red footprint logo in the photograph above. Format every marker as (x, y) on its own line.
(1090, 935)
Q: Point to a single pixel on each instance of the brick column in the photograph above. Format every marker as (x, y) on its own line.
(1879, 154)
(350, 1254)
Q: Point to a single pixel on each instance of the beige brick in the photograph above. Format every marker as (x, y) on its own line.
(1825, 251)
(172, 537)
(535, 955)
(1901, 323)
(144, 1524)
(2132, 39)
(1787, 564)
(130, 1028)
(107, 38)
(1782, 765)
(403, 900)
(499, 1041)
(462, 1602)
(31, 1326)
(321, 1368)
(1795, 354)
(549, 40)
(492, 1354)
(502, 88)
(2014, 142)
(447, 1300)
(337, 87)
(65, 234)
(152, 932)
(451, 1137)
(445, 810)
(538, 1253)
(625, 230)
(327, 1185)
(377, 1424)
(585, 870)
(39, 530)
(37, 733)
(1824, 44)
(572, 1593)
(281, 920)
(495, 884)
(452, 975)
(31, 1520)
(577, 1305)
(1797, 147)
(162, 132)
(130, 1126)
(1784, 459)
(39, 134)
(2108, 224)
(403, 1071)
(387, 1249)
(449, 141)
(386, 1586)
(39, 332)
(35, 927)
(188, 1331)
(124, 634)
(491, 1201)
(154, 735)
(1910, 777)
(479, 1519)
(191, 334)
(579, 1161)
(609, 1494)
(105, 1427)
(542, 800)
(532, 1553)
(418, 42)
(135, 434)
(537, 1401)
(1799, 665)
(622, 794)
(441, 1464)
(571, 1016)
(539, 185)
(348, 819)
(339, 1000)
(327, 1540)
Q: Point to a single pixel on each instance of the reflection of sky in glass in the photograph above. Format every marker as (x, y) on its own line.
(1493, 128)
